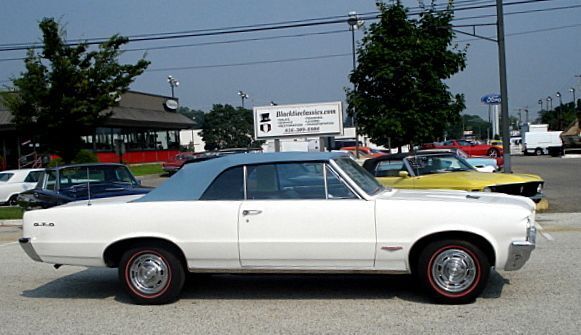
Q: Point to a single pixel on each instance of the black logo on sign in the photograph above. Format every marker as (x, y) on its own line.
(265, 120)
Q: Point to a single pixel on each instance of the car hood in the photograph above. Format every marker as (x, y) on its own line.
(479, 179)
(451, 197)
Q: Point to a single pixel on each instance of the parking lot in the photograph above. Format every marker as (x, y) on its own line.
(562, 179)
(542, 298)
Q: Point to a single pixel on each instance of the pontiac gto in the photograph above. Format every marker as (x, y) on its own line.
(288, 213)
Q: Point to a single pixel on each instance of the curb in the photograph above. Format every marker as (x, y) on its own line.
(11, 223)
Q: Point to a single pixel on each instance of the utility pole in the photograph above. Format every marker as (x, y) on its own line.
(503, 86)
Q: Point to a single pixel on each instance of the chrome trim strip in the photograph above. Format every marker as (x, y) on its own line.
(350, 183)
(296, 271)
(325, 180)
(341, 179)
(244, 176)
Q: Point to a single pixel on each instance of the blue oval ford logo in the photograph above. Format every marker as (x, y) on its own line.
(491, 99)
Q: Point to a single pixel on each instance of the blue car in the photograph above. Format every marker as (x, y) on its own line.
(67, 183)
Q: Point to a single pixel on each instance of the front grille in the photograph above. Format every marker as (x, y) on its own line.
(524, 189)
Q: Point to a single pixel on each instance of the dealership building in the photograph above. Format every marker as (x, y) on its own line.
(143, 128)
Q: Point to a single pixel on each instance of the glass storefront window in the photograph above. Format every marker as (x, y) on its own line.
(135, 139)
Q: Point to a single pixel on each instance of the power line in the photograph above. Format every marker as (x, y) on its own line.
(273, 61)
(519, 12)
(527, 32)
(218, 42)
(255, 28)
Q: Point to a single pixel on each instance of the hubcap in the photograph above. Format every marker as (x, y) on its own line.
(149, 274)
(453, 270)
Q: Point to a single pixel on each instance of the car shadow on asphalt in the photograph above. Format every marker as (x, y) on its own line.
(100, 283)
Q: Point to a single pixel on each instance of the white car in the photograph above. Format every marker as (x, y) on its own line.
(287, 213)
(14, 182)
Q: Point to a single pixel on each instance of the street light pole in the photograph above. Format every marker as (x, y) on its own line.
(243, 96)
(540, 102)
(354, 23)
(549, 103)
(558, 94)
(572, 90)
(173, 83)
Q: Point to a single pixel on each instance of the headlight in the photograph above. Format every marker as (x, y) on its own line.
(486, 189)
(539, 188)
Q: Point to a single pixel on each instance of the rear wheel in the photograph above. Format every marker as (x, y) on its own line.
(152, 275)
(453, 271)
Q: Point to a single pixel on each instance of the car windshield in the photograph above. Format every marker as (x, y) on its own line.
(359, 175)
(430, 164)
(79, 176)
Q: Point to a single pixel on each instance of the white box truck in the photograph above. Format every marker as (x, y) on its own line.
(538, 143)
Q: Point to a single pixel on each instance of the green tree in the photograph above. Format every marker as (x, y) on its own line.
(399, 81)
(196, 115)
(474, 123)
(558, 118)
(229, 127)
(65, 91)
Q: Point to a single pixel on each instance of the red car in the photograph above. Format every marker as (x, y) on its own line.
(365, 152)
(175, 164)
(472, 149)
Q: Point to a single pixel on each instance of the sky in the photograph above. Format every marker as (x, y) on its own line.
(308, 64)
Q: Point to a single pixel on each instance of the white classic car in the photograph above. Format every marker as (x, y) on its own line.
(14, 182)
(287, 212)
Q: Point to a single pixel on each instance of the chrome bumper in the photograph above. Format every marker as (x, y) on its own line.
(519, 253)
(27, 247)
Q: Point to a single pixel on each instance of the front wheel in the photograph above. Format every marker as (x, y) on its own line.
(538, 152)
(13, 201)
(493, 153)
(453, 271)
(151, 275)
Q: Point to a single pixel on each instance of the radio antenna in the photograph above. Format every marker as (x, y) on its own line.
(88, 188)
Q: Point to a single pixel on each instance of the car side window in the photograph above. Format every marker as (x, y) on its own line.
(389, 168)
(33, 177)
(5, 176)
(50, 181)
(229, 185)
(336, 188)
(285, 181)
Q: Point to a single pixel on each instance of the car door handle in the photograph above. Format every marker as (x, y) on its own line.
(251, 212)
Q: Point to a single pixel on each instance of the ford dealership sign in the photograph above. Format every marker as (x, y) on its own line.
(491, 99)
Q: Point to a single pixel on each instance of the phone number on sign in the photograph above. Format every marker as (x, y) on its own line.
(301, 130)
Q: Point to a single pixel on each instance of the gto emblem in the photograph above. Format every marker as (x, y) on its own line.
(43, 224)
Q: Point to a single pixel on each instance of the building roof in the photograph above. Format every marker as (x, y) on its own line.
(135, 109)
(190, 182)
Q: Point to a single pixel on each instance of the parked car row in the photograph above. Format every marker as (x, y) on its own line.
(14, 182)
(445, 170)
(45, 188)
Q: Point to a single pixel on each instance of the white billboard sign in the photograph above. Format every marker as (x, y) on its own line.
(317, 119)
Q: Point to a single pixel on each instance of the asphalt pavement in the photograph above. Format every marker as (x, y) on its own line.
(541, 298)
(562, 179)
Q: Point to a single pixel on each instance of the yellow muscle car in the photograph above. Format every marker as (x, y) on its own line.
(448, 171)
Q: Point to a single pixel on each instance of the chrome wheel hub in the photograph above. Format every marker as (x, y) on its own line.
(453, 270)
(149, 274)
